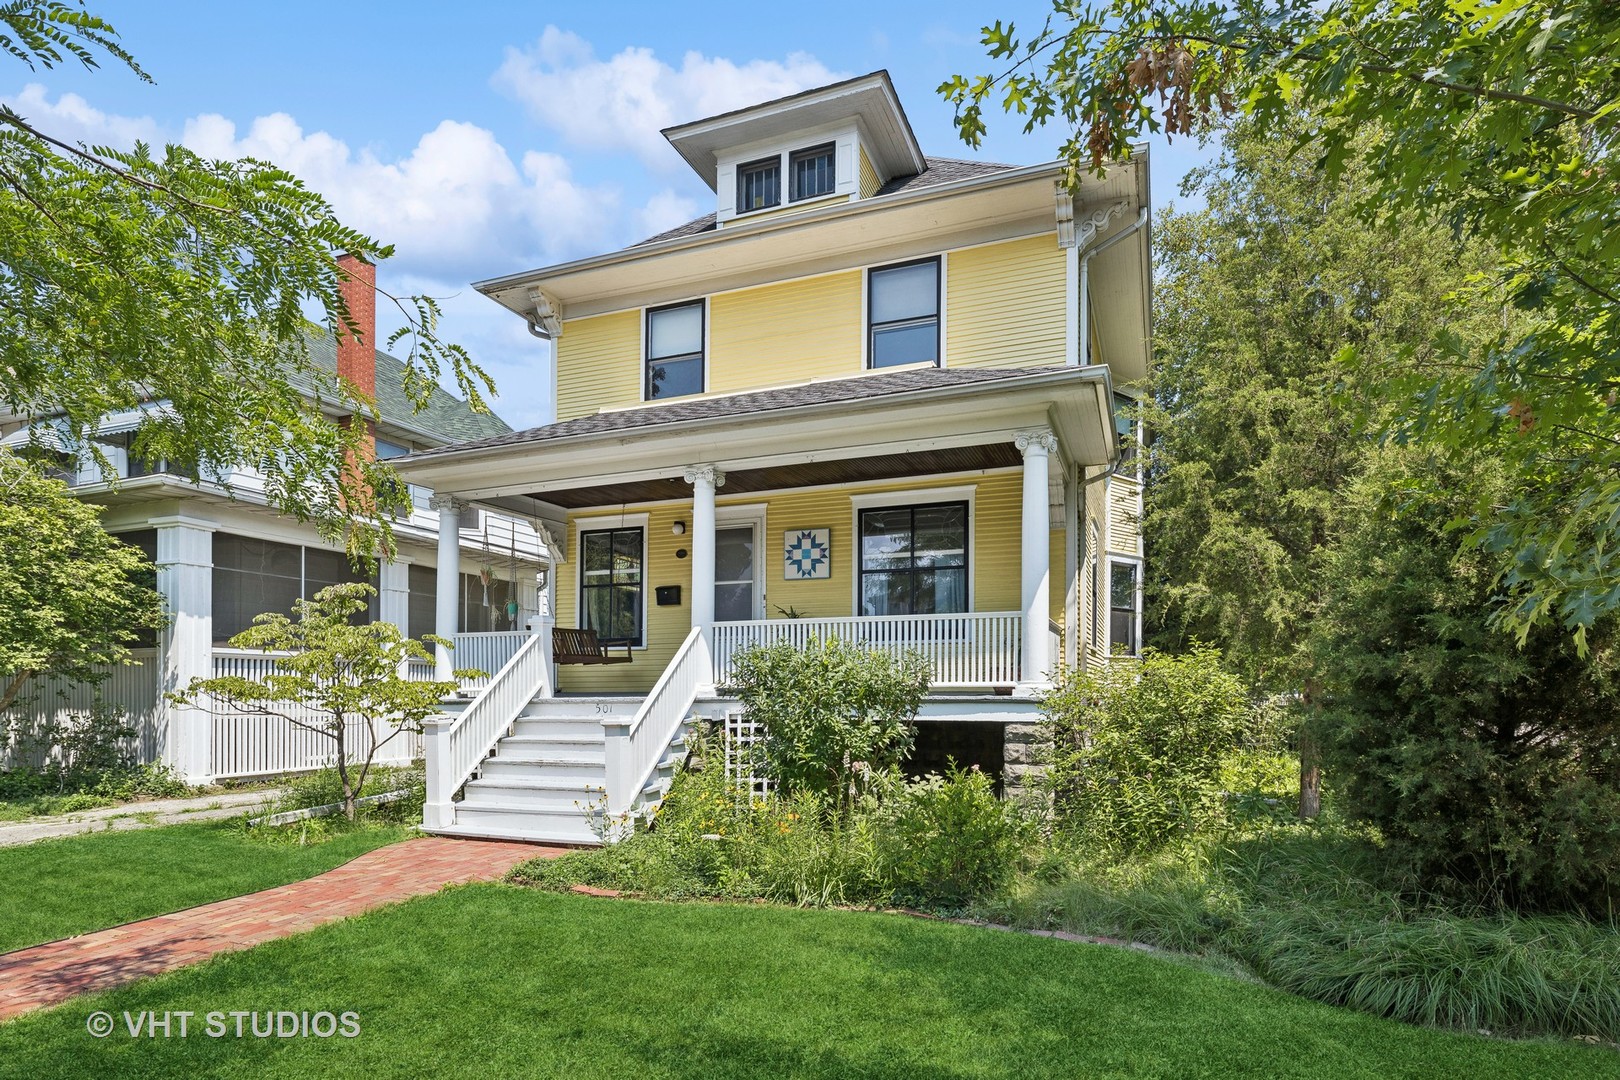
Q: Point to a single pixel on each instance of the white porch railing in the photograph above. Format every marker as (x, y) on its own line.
(245, 744)
(455, 745)
(970, 649)
(487, 652)
(635, 747)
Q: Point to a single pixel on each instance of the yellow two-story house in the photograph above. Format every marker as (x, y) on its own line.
(871, 396)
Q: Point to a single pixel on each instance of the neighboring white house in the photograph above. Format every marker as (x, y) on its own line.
(225, 555)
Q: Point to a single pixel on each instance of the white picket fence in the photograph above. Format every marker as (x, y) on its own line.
(244, 744)
(130, 687)
(974, 649)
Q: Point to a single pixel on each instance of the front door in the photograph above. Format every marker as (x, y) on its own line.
(736, 579)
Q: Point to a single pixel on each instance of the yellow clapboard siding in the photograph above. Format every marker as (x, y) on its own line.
(869, 181)
(809, 328)
(599, 364)
(1005, 304)
(993, 552)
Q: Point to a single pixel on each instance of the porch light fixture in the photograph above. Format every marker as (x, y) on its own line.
(679, 528)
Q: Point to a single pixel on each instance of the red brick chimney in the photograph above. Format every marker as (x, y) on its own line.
(357, 355)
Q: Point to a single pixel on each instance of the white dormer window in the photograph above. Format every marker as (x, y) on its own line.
(759, 184)
(812, 172)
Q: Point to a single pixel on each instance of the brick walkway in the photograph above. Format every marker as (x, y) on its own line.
(49, 974)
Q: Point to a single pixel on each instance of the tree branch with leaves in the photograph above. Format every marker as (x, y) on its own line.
(135, 276)
(1497, 121)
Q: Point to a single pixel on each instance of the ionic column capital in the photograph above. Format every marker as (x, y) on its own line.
(708, 474)
(1031, 443)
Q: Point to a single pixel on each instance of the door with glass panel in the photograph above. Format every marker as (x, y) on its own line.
(736, 579)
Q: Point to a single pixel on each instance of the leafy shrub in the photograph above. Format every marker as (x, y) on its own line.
(832, 714)
(1491, 767)
(937, 842)
(71, 752)
(1137, 750)
(948, 839)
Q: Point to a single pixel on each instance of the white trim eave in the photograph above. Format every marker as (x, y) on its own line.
(911, 421)
(739, 228)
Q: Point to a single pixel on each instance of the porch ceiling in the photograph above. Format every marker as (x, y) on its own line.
(806, 474)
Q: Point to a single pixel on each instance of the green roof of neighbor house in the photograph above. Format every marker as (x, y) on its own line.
(446, 416)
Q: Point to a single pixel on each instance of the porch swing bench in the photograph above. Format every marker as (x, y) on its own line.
(570, 646)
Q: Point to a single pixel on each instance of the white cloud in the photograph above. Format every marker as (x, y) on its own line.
(73, 119)
(623, 102)
(665, 210)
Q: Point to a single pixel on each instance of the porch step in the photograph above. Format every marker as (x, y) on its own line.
(551, 747)
(583, 708)
(571, 767)
(523, 823)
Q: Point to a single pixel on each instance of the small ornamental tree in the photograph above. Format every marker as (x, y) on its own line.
(345, 674)
(74, 597)
(831, 713)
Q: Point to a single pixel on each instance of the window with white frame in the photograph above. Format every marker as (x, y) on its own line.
(759, 185)
(812, 172)
(611, 593)
(675, 350)
(1128, 434)
(902, 307)
(1124, 608)
(914, 559)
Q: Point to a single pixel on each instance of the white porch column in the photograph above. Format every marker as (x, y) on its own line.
(185, 578)
(447, 581)
(1071, 566)
(704, 480)
(1037, 447)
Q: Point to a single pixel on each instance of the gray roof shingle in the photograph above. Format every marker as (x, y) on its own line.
(832, 391)
(939, 171)
(445, 415)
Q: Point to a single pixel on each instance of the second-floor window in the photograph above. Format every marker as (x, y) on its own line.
(903, 314)
(1128, 434)
(759, 185)
(810, 172)
(675, 351)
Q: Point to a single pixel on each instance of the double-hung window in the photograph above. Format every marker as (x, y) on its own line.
(902, 307)
(811, 172)
(675, 350)
(759, 185)
(610, 588)
(914, 559)
(1128, 434)
(1124, 610)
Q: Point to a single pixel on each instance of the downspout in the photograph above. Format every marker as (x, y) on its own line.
(1085, 277)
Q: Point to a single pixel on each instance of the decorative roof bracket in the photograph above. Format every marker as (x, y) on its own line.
(1079, 234)
(546, 322)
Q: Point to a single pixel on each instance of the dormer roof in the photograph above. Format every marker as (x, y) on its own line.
(870, 99)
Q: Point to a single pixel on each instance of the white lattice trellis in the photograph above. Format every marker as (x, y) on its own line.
(744, 743)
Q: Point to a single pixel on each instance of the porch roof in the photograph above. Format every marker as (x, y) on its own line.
(884, 424)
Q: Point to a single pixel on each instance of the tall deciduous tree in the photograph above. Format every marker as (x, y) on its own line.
(1259, 425)
(1496, 120)
(135, 275)
(72, 598)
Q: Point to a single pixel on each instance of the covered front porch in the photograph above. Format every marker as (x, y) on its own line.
(926, 511)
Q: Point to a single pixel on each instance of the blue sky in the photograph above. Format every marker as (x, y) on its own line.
(484, 138)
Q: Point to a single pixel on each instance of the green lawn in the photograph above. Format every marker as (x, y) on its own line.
(494, 980)
(58, 888)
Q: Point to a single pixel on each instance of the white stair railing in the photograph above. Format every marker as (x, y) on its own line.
(455, 745)
(979, 648)
(486, 651)
(635, 746)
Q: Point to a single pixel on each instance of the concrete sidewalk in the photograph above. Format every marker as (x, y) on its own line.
(138, 815)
